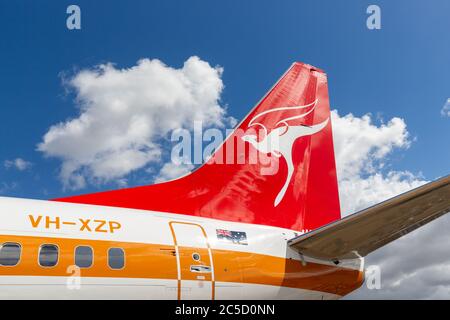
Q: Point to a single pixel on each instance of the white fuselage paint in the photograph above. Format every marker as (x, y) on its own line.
(139, 226)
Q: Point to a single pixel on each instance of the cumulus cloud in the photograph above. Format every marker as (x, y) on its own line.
(362, 150)
(416, 266)
(172, 171)
(18, 163)
(6, 187)
(126, 114)
(445, 112)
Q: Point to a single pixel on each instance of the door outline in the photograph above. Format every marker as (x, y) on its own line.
(171, 223)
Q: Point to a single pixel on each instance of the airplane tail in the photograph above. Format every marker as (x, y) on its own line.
(277, 168)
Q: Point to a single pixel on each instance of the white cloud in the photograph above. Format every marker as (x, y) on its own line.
(172, 171)
(7, 187)
(18, 163)
(362, 149)
(416, 266)
(125, 115)
(445, 112)
(361, 192)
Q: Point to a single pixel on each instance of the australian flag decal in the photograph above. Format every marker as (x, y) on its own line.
(236, 237)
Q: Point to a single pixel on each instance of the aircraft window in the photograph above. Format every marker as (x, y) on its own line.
(116, 258)
(10, 254)
(83, 256)
(48, 255)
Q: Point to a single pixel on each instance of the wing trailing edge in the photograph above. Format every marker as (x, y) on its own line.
(364, 232)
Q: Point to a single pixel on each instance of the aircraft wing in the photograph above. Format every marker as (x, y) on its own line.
(361, 233)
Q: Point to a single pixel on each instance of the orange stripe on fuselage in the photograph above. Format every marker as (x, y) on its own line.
(154, 261)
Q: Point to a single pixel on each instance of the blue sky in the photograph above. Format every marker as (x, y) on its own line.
(401, 70)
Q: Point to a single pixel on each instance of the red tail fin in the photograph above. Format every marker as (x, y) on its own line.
(299, 190)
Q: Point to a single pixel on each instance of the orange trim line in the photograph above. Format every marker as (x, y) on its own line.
(157, 261)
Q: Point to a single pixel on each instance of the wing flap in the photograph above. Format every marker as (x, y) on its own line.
(361, 233)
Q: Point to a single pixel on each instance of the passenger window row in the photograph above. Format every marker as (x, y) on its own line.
(10, 253)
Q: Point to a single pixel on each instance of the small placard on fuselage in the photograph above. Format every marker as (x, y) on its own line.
(236, 237)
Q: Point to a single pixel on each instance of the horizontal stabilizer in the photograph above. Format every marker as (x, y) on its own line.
(361, 233)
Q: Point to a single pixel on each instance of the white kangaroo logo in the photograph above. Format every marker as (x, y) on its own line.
(280, 140)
